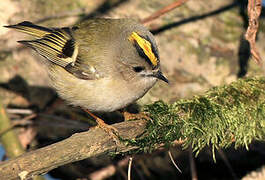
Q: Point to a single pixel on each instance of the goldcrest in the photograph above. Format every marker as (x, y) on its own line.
(100, 64)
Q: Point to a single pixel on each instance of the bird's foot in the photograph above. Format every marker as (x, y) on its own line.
(110, 130)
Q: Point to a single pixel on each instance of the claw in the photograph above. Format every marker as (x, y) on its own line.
(112, 131)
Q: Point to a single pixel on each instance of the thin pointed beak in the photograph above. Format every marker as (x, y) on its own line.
(160, 76)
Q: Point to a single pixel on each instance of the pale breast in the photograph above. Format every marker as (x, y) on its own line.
(102, 95)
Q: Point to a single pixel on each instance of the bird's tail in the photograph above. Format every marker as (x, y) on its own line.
(31, 29)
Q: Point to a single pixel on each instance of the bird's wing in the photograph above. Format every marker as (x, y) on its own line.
(83, 70)
(58, 46)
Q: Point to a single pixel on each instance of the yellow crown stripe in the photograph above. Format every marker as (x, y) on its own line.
(146, 47)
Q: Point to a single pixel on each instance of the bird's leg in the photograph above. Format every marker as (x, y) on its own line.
(130, 116)
(112, 131)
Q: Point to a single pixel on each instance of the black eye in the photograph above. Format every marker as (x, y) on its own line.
(138, 68)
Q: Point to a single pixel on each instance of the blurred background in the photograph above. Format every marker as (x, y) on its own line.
(201, 45)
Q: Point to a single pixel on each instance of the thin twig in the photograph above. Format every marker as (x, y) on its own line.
(130, 168)
(172, 160)
(163, 11)
(19, 111)
(254, 10)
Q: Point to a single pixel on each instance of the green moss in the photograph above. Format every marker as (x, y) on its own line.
(231, 114)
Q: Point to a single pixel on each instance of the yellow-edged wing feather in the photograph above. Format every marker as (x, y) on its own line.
(56, 45)
(31, 29)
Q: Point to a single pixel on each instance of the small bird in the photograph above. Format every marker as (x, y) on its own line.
(101, 65)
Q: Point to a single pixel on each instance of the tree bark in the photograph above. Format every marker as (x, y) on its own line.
(75, 148)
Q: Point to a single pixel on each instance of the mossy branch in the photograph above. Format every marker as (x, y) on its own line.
(222, 116)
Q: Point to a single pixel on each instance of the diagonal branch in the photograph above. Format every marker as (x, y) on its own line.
(75, 148)
(162, 11)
